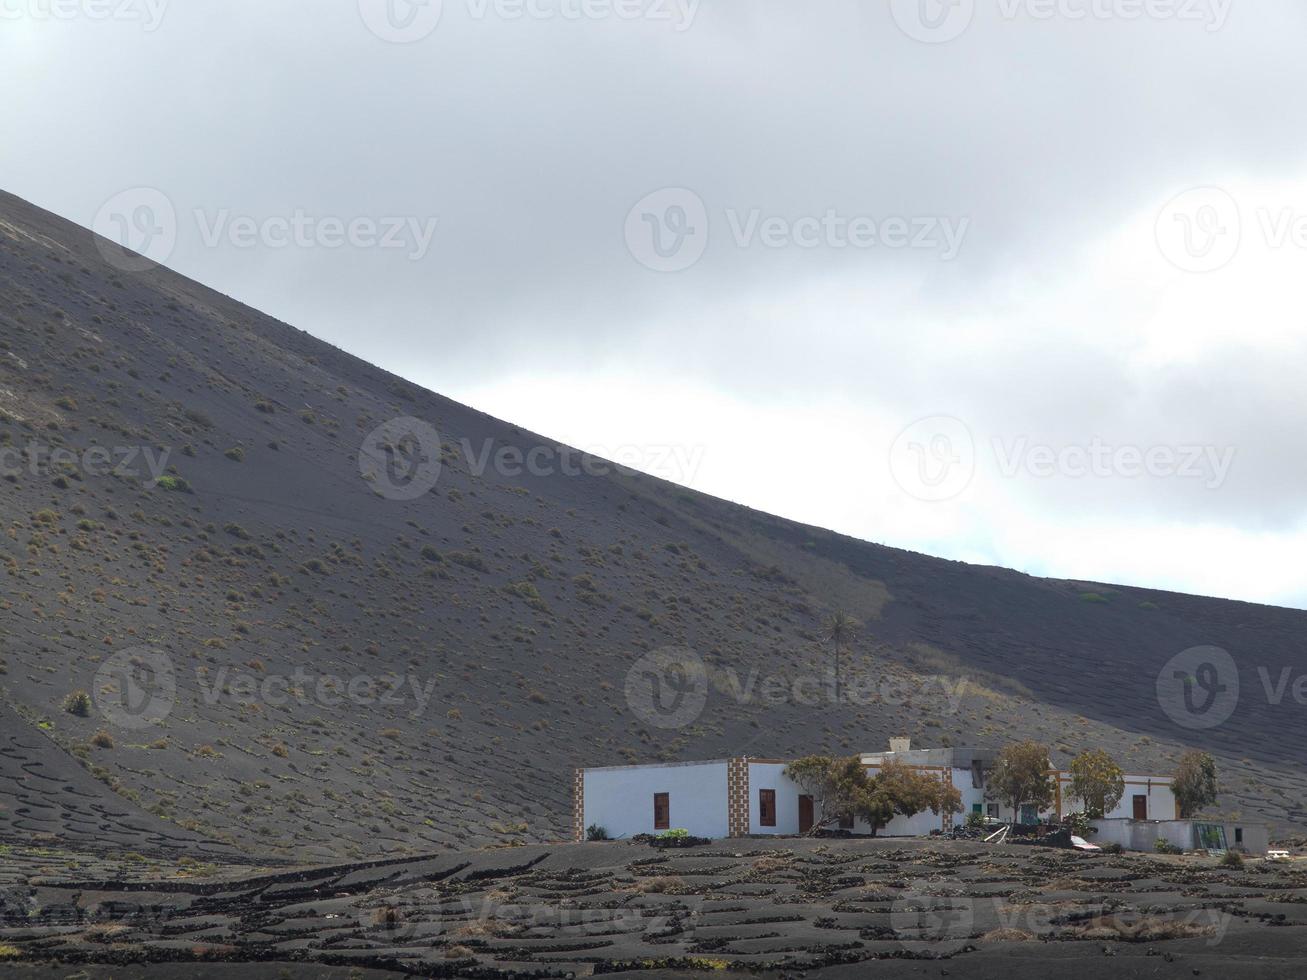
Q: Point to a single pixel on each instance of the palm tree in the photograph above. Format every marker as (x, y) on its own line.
(838, 630)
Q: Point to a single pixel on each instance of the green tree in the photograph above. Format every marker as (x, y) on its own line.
(1194, 783)
(835, 786)
(839, 630)
(898, 789)
(1021, 776)
(1098, 781)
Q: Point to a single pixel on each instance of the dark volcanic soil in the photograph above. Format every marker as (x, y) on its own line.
(775, 908)
(518, 602)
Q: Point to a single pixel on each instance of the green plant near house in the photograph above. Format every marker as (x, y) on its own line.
(676, 833)
(595, 832)
(1164, 846)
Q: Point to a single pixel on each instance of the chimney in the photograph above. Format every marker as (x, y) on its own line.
(900, 744)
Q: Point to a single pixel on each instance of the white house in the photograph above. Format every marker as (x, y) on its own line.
(740, 797)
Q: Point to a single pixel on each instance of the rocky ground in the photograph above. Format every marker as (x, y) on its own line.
(774, 908)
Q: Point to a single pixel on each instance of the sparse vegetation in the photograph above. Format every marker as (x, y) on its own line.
(78, 703)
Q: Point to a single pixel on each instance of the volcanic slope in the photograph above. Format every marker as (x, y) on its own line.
(508, 607)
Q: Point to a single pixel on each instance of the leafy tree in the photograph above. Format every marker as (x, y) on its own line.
(1021, 776)
(1194, 783)
(841, 789)
(839, 630)
(899, 789)
(833, 784)
(875, 806)
(1098, 781)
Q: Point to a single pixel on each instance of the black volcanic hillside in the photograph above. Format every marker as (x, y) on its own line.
(523, 599)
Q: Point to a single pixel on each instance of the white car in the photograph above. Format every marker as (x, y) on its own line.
(1277, 855)
(1080, 844)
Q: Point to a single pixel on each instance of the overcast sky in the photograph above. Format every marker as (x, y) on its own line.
(1018, 282)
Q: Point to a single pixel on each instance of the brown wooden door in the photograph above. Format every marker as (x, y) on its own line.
(662, 811)
(805, 814)
(1141, 807)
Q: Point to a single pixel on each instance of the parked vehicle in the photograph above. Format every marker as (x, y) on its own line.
(1080, 844)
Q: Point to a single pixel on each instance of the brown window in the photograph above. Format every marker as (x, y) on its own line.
(662, 811)
(767, 807)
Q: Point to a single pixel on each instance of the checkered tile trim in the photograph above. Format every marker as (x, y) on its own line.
(737, 797)
(578, 804)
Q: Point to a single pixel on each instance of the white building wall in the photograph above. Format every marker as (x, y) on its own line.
(1161, 801)
(621, 798)
(770, 775)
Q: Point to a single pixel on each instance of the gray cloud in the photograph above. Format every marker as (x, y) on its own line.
(531, 140)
